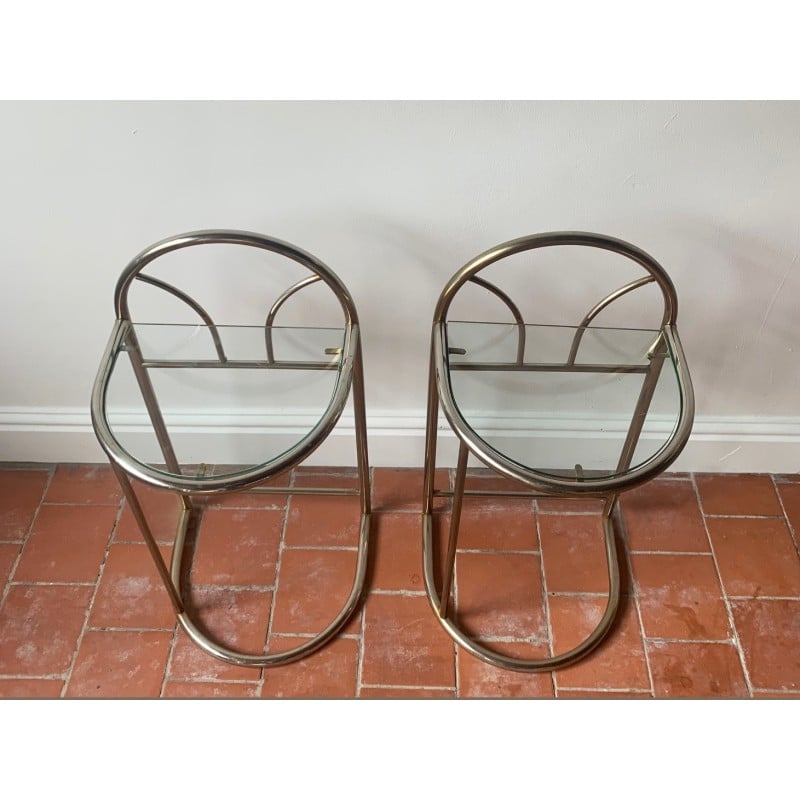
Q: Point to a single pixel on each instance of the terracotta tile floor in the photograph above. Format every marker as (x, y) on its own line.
(711, 591)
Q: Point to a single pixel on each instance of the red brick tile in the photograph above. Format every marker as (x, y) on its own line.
(664, 515)
(574, 553)
(67, 543)
(236, 619)
(476, 678)
(39, 628)
(319, 521)
(496, 523)
(313, 586)
(568, 505)
(117, 664)
(94, 484)
(587, 694)
(696, 669)
(769, 633)
(29, 688)
(397, 552)
(401, 489)
(209, 690)
(680, 597)
(20, 494)
(401, 693)
(500, 594)
(767, 695)
(162, 509)
(787, 477)
(404, 645)
(756, 557)
(131, 593)
(747, 495)
(237, 547)
(330, 672)
(790, 495)
(617, 663)
(8, 555)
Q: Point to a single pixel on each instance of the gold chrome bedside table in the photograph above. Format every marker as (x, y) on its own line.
(238, 371)
(509, 389)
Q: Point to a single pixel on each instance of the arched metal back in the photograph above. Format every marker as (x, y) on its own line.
(469, 272)
(321, 271)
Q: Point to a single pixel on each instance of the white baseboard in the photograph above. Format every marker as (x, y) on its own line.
(717, 444)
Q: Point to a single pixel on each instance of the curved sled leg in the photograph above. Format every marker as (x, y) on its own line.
(440, 604)
(173, 583)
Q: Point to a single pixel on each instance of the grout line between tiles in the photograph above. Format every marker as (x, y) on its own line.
(406, 687)
(607, 690)
(548, 624)
(51, 583)
(212, 680)
(634, 594)
(90, 606)
(705, 553)
(791, 597)
(212, 587)
(788, 522)
(320, 547)
(82, 505)
(512, 639)
(496, 551)
(725, 598)
(743, 516)
(262, 676)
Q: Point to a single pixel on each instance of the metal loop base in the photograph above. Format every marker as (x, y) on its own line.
(173, 582)
(440, 605)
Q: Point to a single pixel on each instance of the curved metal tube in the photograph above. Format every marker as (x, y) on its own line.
(224, 653)
(172, 580)
(559, 238)
(224, 236)
(194, 305)
(522, 664)
(606, 301)
(274, 310)
(512, 307)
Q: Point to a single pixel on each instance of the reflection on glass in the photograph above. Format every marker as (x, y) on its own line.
(560, 400)
(229, 395)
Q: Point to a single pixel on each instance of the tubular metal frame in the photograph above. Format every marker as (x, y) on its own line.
(544, 484)
(350, 378)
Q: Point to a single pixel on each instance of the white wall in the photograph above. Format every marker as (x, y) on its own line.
(395, 196)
